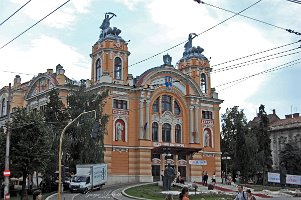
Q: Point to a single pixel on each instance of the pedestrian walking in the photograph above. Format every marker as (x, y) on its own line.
(240, 194)
(250, 195)
(213, 179)
(205, 179)
(184, 195)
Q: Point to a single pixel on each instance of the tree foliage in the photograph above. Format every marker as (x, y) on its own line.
(234, 128)
(291, 157)
(264, 154)
(30, 144)
(56, 118)
(80, 147)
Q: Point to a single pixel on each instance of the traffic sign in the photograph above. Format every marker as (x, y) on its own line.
(6, 173)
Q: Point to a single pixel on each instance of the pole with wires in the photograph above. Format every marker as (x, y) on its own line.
(8, 131)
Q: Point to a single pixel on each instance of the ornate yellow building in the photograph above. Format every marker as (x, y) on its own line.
(166, 115)
(166, 110)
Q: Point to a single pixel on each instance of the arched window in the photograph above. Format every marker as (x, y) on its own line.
(117, 68)
(3, 107)
(178, 134)
(166, 131)
(166, 103)
(177, 110)
(156, 105)
(98, 69)
(203, 83)
(155, 132)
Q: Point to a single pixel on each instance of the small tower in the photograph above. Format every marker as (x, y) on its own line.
(196, 65)
(109, 55)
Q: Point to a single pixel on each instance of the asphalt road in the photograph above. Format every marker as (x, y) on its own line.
(105, 193)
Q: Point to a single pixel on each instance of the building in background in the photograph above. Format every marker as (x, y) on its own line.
(284, 131)
(34, 93)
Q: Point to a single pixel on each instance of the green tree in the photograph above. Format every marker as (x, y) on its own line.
(30, 144)
(80, 146)
(234, 128)
(291, 157)
(252, 148)
(56, 118)
(264, 154)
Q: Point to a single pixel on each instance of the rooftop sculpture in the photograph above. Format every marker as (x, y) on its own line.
(106, 30)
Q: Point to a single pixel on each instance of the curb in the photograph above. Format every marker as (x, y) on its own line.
(129, 196)
(47, 198)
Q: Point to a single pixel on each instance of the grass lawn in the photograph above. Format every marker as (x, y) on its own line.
(152, 191)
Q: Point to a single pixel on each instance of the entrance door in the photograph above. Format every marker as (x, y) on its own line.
(182, 170)
(156, 172)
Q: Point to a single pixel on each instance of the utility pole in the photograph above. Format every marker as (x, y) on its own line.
(8, 131)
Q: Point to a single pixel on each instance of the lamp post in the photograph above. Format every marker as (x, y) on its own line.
(60, 151)
(226, 157)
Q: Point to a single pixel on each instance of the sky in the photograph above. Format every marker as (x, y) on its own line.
(152, 26)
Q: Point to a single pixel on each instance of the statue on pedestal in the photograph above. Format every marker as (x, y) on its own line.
(169, 176)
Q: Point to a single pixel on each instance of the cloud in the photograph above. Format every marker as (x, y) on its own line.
(230, 40)
(63, 17)
(43, 53)
(130, 4)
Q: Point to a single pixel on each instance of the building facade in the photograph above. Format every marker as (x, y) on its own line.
(34, 94)
(284, 131)
(169, 114)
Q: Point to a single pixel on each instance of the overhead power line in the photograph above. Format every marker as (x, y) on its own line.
(6, 71)
(285, 65)
(249, 62)
(255, 54)
(279, 27)
(15, 12)
(34, 24)
(295, 1)
(196, 35)
(258, 74)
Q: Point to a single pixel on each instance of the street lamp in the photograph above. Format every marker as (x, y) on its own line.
(226, 157)
(60, 150)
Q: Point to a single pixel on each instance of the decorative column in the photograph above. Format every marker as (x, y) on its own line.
(160, 122)
(196, 127)
(191, 139)
(141, 124)
(147, 120)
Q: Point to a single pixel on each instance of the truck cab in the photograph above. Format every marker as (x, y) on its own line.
(81, 183)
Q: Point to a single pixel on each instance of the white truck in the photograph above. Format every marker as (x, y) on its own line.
(88, 177)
